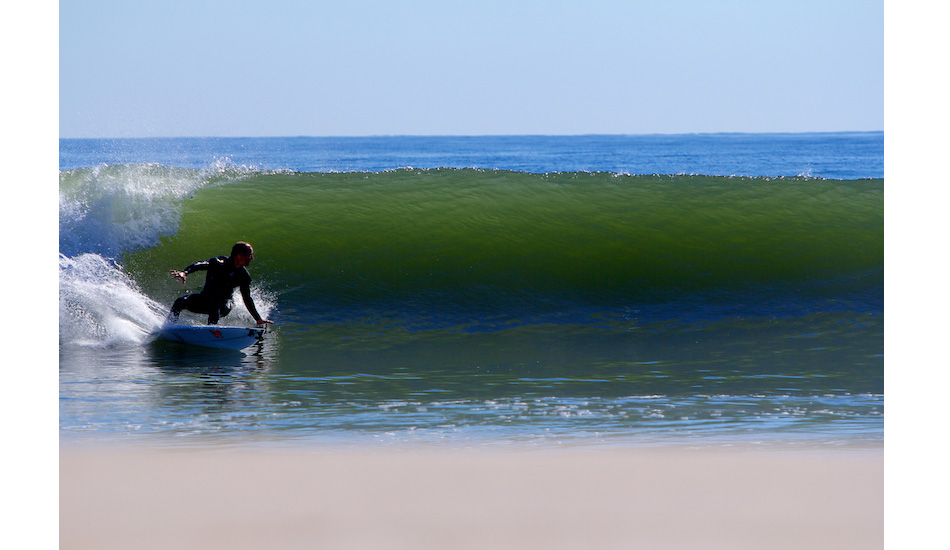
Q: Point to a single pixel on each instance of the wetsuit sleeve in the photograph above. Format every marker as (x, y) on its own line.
(197, 266)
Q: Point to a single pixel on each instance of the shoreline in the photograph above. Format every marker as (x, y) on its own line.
(425, 497)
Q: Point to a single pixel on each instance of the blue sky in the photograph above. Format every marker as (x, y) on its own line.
(416, 67)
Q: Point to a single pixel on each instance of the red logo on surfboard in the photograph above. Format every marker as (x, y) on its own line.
(217, 333)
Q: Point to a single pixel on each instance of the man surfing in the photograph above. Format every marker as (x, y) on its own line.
(225, 273)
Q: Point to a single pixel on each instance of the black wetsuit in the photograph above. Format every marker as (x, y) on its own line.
(215, 298)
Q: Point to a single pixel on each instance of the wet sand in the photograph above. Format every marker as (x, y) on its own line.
(457, 499)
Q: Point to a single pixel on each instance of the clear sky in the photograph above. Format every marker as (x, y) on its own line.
(419, 67)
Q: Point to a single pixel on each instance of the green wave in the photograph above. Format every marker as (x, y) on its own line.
(481, 237)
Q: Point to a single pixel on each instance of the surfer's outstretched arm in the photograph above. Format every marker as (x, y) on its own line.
(249, 303)
(197, 266)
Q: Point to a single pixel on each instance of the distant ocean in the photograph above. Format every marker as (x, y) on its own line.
(518, 290)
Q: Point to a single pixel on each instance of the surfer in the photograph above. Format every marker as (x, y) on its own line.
(225, 273)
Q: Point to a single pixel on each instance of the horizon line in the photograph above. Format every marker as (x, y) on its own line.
(593, 134)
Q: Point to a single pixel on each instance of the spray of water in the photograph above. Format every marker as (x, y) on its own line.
(108, 210)
(100, 305)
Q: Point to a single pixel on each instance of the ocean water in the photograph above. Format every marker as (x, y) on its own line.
(610, 290)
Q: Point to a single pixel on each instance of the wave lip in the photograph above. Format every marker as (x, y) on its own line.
(112, 209)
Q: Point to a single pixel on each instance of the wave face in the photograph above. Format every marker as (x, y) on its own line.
(450, 243)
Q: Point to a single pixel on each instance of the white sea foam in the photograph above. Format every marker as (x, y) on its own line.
(100, 305)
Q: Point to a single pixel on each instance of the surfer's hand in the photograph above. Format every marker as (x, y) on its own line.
(180, 275)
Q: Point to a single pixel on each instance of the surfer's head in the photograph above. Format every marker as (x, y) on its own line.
(242, 253)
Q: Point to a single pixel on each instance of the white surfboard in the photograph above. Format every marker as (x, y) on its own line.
(212, 336)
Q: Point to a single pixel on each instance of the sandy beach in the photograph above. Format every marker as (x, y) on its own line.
(457, 499)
